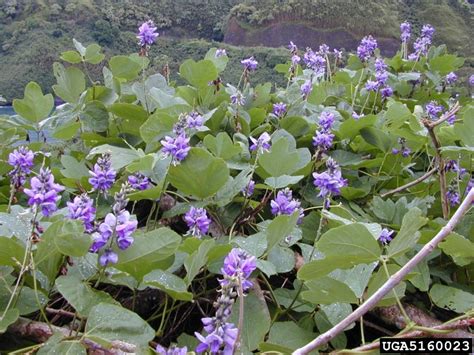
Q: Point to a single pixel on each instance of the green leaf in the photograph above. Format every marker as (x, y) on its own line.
(8, 318)
(120, 157)
(279, 228)
(95, 116)
(148, 252)
(132, 116)
(80, 48)
(283, 258)
(465, 130)
(72, 57)
(286, 344)
(157, 126)
(282, 181)
(67, 348)
(124, 67)
(165, 100)
(72, 168)
(200, 174)
(80, 295)
(222, 146)
(198, 74)
(169, 283)
(256, 320)
(219, 62)
(379, 279)
(108, 322)
(327, 290)
(445, 63)
(93, 55)
(350, 128)
(197, 260)
(71, 83)
(459, 248)
(34, 106)
(233, 187)
(385, 210)
(396, 115)
(67, 131)
(452, 298)
(11, 252)
(377, 138)
(409, 234)
(283, 159)
(356, 278)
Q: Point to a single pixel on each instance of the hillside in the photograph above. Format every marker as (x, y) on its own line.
(34, 32)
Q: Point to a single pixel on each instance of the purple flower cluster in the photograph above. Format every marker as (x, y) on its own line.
(405, 29)
(380, 82)
(306, 88)
(285, 204)
(221, 335)
(433, 110)
(450, 78)
(452, 165)
(323, 138)
(139, 181)
(44, 192)
(176, 147)
(403, 148)
(422, 43)
(261, 144)
(249, 64)
(315, 61)
(172, 350)
(21, 159)
(385, 236)
(237, 99)
(147, 34)
(82, 208)
(102, 176)
(197, 220)
(279, 109)
(453, 196)
(194, 120)
(366, 48)
(248, 190)
(330, 181)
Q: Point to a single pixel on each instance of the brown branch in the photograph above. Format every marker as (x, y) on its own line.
(447, 115)
(460, 324)
(393, 281)
(411, 183)
(41, 332)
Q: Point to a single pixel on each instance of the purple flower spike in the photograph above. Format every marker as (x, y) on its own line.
(194, 120)
(82, 208)
(102, 176)
(124, 229)
(21, 159)
(178, 147)
(427, 31)
(306, 88)
(315, 61)
(385, 236)
(451, 78)
(249, 64)
(109, 257)
(279, 109)
(453, 197)
(44, 192)
(471, 80)
(326, 120)
(366, 48)
(147, 34)
(172, 350)
(248, 190)
(238, 265)
(405, 29)
(330, 181)
(261, 144)
(386, 91)
(323, 140)
(197, 220)
(139, 181)
(371, 85)
(433, 110)
(285, 204)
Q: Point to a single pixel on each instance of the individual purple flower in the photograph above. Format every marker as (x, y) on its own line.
(238, 265)
(21, 159)
(261, 144)
(380, 65)
(237, 99)
(381, 77)
(82, 208)
(385, 236)
(172, 350)
(220, 341)
(395, 151)
(108, 257)
(451, 119)
(248, 190)
(453, 197)
(405, 29)
(357, 116)
(323, 140)
(102, 176)
(98, 242)
(279, 109)
(306, 88)
(194, 120)
(285, 204)
(295, 59)
(44, 192)
(371, 85)
(124, 229)
(197, 220)
(147, 33)
(139, 181)
(326, 120)
(406, 152)
(366, 48)
(337, 54)
(452, 165)
(177, 147)
(323, 49)
(220, 52)
(433, 110)
(386, 92)
(330, 181)
(450, 78)
(427, 31)
(314, 61)
(471, 80)
(249, 64)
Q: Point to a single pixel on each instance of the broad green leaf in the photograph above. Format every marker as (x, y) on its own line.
(68, 238)
(72, 347)
(396, 115)
(283, 258)
(93, 55)
(409, 234)
(200, 174)
(80, 47)
(452, 298)
(336, 312)
(256, 320)
(71, 83)
(148, 252)
(279, 228)
(327, 290)
(120, 157)
(165, 100)
(157, 126)
(131, 117)
(324, 324)
(124, 67)
(34, 106)
(169, 283)
(67, 131)
(282, 181)
(280, 160)
(356, 278)
(197, 260)
(143, 164)
(233, 187)
(459, 248)
(351, 128)
(198, 74)
(377, 138)
(95, 116)
(445, 63)
(80, 295)
(465, 130)
(11, 252)
(286, 296)
(72, 168)
(8, 318)
(219, 62)
(255, 244)
(385, 210)
(222, 146)
(72, 57)
(379, 278)
(108, 322)
(279, 336)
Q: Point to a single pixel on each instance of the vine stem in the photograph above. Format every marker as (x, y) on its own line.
(241, 316)
(393, 281)
(411, 183)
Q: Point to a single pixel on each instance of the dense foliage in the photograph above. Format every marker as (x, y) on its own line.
(224, 216)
